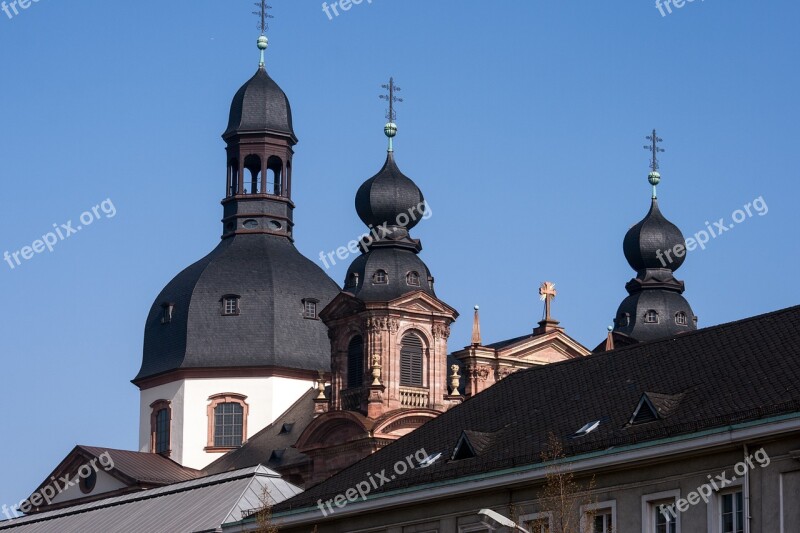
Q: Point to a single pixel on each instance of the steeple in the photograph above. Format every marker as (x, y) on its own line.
(260, 140)
(655, 249)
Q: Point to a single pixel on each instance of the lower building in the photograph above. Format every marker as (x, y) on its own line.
(699, 432)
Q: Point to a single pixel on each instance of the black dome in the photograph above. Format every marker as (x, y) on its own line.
(653, 234)
(259, 106)
(631, 315)
(271, 278)
(398, 264)
(388, 195)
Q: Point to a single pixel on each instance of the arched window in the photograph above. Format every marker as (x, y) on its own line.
(651, 317)
(681, 319)
(412, 279)
(160, 427)
(411, 360)
(233, 177)
(227, 421)
(252, 163)
(274, 176)
(380, 277)
(355, 362)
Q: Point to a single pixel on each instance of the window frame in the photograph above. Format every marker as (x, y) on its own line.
(684, 317)
(156, 407)
(715, 505)
(608, 505)
(650, 504)
(413, 275)
(647, 316)
(380, 273)
(224, 304)
(306, 303)
(215, 400)
(530, 517)
(167, 310)
(422, 361)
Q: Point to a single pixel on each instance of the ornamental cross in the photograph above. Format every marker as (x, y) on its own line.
(391, 98)
(264, 16)
(654, 149)
(547, 291)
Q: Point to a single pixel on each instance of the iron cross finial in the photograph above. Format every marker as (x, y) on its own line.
(391, 98)
(654, 149)
(263, 14)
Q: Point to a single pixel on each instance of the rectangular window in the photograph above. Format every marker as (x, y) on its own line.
(665, 517)
(162, 431)
(660, 514)
(228, 425)
(603, 522)
(309, 309)
(230, 305)
(732, 512)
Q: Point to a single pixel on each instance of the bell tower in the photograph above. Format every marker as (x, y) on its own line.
(388, 330)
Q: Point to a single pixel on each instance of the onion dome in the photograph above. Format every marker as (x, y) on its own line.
(260, 106)
(646, 242)
(389, 197)
(655, 307)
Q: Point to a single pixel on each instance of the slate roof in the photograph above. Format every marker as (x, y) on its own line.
(732, 373)
(271, 278)
(260, 106)
(201, 505)
(274, 438)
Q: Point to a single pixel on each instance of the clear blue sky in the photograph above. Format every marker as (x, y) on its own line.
(523, 124)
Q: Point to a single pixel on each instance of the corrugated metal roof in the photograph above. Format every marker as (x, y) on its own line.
(200, 505)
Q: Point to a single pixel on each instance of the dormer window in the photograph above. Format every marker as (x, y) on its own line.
(352, 280)
(651, 317)
(412, 279)
(380, 277)
(166, 312)
(230, 305)
(310, 308)
(624, 320)
(681, 319)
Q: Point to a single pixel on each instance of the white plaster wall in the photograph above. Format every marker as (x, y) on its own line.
(105, 483)
(174, 392)
(267, 398)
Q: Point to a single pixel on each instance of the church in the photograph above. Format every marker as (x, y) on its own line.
(262, 375)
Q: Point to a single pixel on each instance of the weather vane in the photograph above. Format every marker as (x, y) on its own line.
(391, 98)
(654, 177)
(263, 15)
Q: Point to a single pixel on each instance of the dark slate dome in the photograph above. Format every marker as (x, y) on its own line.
(260, 105)
(271, 279)
(399, 264)
(632, 315)
(388, 195)
(654, 233)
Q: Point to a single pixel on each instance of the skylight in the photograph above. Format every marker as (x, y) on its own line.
(429, 460)
(585, 430)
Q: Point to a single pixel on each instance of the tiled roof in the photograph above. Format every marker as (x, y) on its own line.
(732, 373)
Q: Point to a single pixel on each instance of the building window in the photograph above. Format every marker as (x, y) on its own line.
(310, 308)
(352, 280)
(651, 317)
(411, 360)
(380, 277)
(537, 522)
(227, 421)
(166, 312)
(230, 305)
(624, 320)
(88, 483)
(355, 362)
(660, 514)
(599, 517)
(160, 427)
(731, 512)
(681, 319)
(412, 279)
